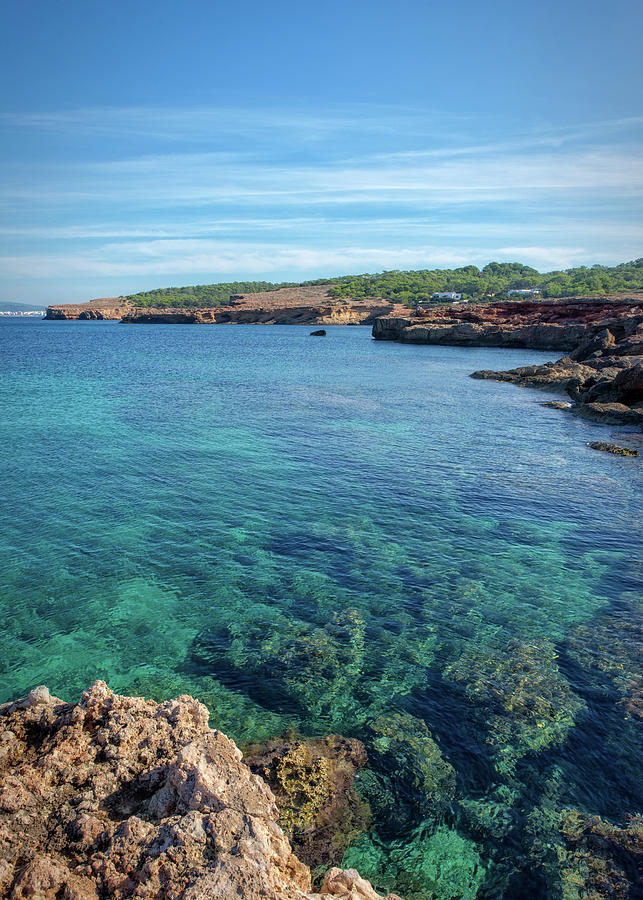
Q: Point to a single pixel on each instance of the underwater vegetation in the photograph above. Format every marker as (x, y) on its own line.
(586, 857)
(325, 671)
(431, 864)
(612, 644)
(312, 781)
(407, 773)
(527, 704)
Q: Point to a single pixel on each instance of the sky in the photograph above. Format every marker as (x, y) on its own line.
(149, 143)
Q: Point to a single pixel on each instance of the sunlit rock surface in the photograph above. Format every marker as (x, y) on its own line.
(123, 797)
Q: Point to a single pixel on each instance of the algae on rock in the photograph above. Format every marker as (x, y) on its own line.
(529, 704)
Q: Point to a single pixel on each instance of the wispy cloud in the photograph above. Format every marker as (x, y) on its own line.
(202, 194)
(205, 179)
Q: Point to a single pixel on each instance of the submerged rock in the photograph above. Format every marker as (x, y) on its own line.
(612, 448)
(312, 781)
(321, 332)
(428, 863)
(407, 770)
(611, 644)
(557, 404)
(123, 797)
(528, 703)
(586, 856)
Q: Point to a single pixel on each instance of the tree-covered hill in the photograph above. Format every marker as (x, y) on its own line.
(202, 295)
(410, 287)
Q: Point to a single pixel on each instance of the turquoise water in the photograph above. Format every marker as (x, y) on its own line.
(337, 535)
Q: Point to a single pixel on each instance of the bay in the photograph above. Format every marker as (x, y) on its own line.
(337, 535)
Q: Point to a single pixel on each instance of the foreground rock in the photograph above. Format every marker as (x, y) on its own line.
(123, 797)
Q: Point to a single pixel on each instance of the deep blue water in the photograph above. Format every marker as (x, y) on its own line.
(336, 535)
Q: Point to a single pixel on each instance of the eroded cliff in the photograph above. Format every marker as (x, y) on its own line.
(541, 325)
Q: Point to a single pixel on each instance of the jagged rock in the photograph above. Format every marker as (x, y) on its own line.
(597, 346)
(124, 797)
(559, 375)
(609, 413)
(605, 389)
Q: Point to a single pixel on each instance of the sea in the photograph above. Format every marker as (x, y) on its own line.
(337, 535)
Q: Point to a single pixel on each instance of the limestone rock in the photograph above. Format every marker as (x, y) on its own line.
(123, 797)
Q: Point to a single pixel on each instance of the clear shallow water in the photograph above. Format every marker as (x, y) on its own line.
(336, 535)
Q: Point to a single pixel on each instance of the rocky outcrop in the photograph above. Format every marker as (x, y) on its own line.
(104, 308)
(330, 314)
(123, 797)
(544, 325)
(612, 448)
(603, 376)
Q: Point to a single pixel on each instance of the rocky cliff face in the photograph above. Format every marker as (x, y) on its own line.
(544, 325)
(104, 308)
(122, 797)
(341, 314)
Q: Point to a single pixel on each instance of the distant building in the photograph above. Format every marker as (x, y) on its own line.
(525, 292)
(447, 295)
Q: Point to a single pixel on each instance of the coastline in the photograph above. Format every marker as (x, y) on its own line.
(602, 375)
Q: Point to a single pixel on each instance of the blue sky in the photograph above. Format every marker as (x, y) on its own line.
(147, 144)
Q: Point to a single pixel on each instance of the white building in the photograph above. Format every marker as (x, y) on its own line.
(525, 292)
(448, 295)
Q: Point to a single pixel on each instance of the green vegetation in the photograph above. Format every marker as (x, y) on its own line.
(202, 295)
(493, 280)
(412, 287)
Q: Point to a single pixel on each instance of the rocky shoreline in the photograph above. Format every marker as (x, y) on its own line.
(603, 375)
(344, 314)
(124, 797)
(307, 305)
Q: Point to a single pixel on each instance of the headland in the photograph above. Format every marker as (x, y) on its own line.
(305, 305)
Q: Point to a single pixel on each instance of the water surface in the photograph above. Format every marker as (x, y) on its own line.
(336, 535)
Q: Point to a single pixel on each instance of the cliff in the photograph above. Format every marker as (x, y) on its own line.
(307, 305)
(103, 308)
(123, 797)
(541, 325)
(348, 314)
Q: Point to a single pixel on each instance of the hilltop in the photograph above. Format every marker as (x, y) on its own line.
(403, 289)
(410, 287)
